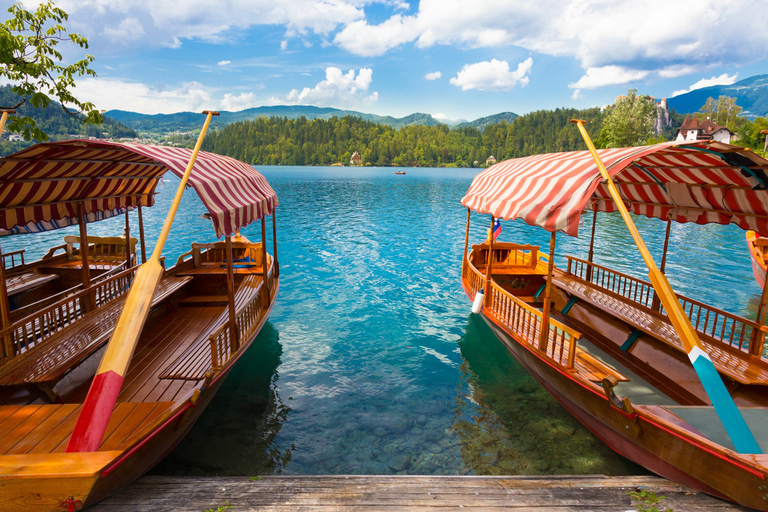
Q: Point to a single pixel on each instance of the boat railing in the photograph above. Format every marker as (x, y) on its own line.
(726, 328)
(524, 322)
(34, 329)
(13, 256)
(507, 255)
(24, 311)
(224, 343)
(629, 287)
(474, 279)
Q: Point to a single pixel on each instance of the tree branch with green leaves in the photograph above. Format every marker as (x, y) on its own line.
(30, 60)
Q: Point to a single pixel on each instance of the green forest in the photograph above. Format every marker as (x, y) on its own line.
(57, 123)
(283, 141)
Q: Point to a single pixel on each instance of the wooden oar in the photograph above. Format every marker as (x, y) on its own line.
(106, 385)
(722, 401)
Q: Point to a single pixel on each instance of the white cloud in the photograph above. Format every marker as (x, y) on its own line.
(367, 40)
(168, 22)
(337, 90)
(433, 76)
(129, 29)
(723, 79)
(492, 76)
(224, 62)
(108, 94)
(608, 75)
(576, 94)
(671, 38)
(239, 102)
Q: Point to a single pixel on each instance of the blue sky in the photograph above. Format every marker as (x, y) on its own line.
(449, 58)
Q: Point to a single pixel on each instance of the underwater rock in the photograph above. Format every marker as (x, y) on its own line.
(399, 462)
(421, 419)
(397, 424)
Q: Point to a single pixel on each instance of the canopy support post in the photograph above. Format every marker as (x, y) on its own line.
(466, 246)
(5, 309)
(544, 333)
(127, 241)
(591, 254)
(730, 416)
(656, 304)
(487, 291)
(758, 335)
(234, 336)
(141, 236)
(265, 294)
(274, 243)
(90, 300)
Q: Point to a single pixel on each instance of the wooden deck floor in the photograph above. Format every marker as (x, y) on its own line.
(413, 493)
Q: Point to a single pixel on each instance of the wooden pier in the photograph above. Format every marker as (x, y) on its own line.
(594, 493)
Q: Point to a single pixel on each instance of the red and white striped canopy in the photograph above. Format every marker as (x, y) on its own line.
(44, 186)
(701, 182)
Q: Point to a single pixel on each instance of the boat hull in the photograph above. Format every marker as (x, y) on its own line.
(648, 441)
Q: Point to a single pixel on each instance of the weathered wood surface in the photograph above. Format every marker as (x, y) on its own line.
(414, 493)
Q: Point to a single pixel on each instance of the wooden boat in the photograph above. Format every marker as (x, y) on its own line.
(100, 385)
(758, 250)
(667, 381)
(33, 286)
(399, 172)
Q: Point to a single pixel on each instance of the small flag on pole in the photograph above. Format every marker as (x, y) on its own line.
(496, 229)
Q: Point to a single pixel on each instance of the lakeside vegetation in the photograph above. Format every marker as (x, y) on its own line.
(283, 141)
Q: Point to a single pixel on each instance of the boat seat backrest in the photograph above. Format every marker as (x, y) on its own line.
(507, 255)
(215, 254)
(100, 248)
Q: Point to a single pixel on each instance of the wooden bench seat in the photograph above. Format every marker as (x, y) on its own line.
(49, 361)
(740, 368)
(27, 281)
(196, 359)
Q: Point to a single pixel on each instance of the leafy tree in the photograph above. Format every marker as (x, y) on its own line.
(724, 111)
(30, 60)
(630, 121)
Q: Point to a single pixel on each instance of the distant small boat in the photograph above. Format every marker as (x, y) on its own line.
(399, 172)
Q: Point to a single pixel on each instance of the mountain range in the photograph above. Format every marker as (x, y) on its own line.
(751, 94)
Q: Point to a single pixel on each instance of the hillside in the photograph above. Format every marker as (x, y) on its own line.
(482, 122)
(58, 124)
(191, 121)
(284, 141)
(751, 94)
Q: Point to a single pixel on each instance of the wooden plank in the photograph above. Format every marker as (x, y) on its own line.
(15, 419)
(418, 493)
(13, 435)
(132, 420)
(48, 426)
(157, 415)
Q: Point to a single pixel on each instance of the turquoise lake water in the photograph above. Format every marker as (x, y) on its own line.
(371, 362)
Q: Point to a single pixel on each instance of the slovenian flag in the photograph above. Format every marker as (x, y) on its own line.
(497, 229)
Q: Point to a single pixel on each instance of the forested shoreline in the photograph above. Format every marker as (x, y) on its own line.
(284, 141)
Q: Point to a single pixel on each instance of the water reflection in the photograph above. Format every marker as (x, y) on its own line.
(237, 433)
(509, 424)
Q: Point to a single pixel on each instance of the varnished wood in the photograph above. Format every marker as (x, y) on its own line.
(266, 293)
(141, 236)
(274, 243)
(128, 261)
(490, 262)
(548, 292)
(375, 493)
(231, 289)
(88, 302)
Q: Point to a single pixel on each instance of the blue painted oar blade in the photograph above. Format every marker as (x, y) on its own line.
(726, 409)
